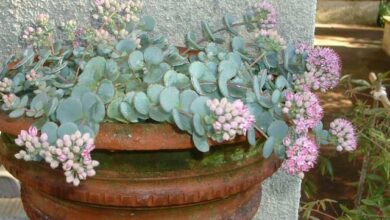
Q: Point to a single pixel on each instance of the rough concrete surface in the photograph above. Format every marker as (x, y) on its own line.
(347, 12)
(175, 18)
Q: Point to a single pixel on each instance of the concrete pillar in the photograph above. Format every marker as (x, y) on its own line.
(281, 193)
(386, 35)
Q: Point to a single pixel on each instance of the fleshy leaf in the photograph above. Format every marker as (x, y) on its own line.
(69, 110)
(67, 128)
(106, 91)
(50, 128)
(278, 129)
(201, 143)
(141, 103)
(268, 147)
(198, 125)
(169, 98)
(153, 55)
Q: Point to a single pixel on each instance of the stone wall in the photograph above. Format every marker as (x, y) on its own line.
(281, 193)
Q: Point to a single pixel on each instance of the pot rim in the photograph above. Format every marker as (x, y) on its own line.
(126, 137)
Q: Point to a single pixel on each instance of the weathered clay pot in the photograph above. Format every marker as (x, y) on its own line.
(154, 174)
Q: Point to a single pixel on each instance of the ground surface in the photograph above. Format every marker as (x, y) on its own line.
(360, 51)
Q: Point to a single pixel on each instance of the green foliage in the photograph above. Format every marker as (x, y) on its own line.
(121, 72)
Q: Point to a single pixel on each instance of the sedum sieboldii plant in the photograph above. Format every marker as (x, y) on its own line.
(116, 70)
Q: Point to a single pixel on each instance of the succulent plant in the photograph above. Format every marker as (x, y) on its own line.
(117, 70)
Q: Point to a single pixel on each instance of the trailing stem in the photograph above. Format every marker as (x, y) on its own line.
(364, 170)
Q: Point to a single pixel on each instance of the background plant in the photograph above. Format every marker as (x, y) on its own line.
(384, 10)
(372, 122)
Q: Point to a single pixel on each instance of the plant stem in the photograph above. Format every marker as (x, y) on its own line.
(362, 179)
(364, 170)
(217, 31)
(261, 132)
(323, 213)
(257, 60)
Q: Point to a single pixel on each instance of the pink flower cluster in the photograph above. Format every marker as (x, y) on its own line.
(35, 144)
(274, 37)
(345, 134)
(266, 14)
(72, 151)
(42, 19)
(33, 76)
(9, 100)
(301, 48)
(229, 119)
(304, 109)
(5, 85)
(38, 34)
(324, 66)
(127, 11)
(301, 156)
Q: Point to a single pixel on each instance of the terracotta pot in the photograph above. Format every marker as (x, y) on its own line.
(157, 175)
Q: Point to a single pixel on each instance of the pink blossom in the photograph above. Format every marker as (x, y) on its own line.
(323, 69)
(304, 109)
(301, 156)
(230, 119)
(99, 2)
(266, 14)
(344, 133)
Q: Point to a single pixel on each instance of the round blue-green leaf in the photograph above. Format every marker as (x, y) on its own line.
(197, 69)
(50, 128)
(126, 45)
(278, 129)
(281, 82)
(51, 107)
(155, 73)
(147, 23)
(106, 91)
(112, 70)
(256, 86)
(198, 125)
(93, 107)
(136, 60)
(128, 112)
(199, 105)
(276, 96)
(68, 128)
(178, 119)
(141, 103)
(201, 143)
(186, 99)
(70, 110)
(113, 110)
(79, 91)
(158, 114)
(207, 33)
(169, 98)
(227, 70)
(268, 147)
(238, 43)
(251, 136)
(153, 55)
(16, 113)
(170, 78)
(154, 91)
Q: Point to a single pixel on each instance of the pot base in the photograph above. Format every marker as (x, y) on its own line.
(182, 184)
(241, 206)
